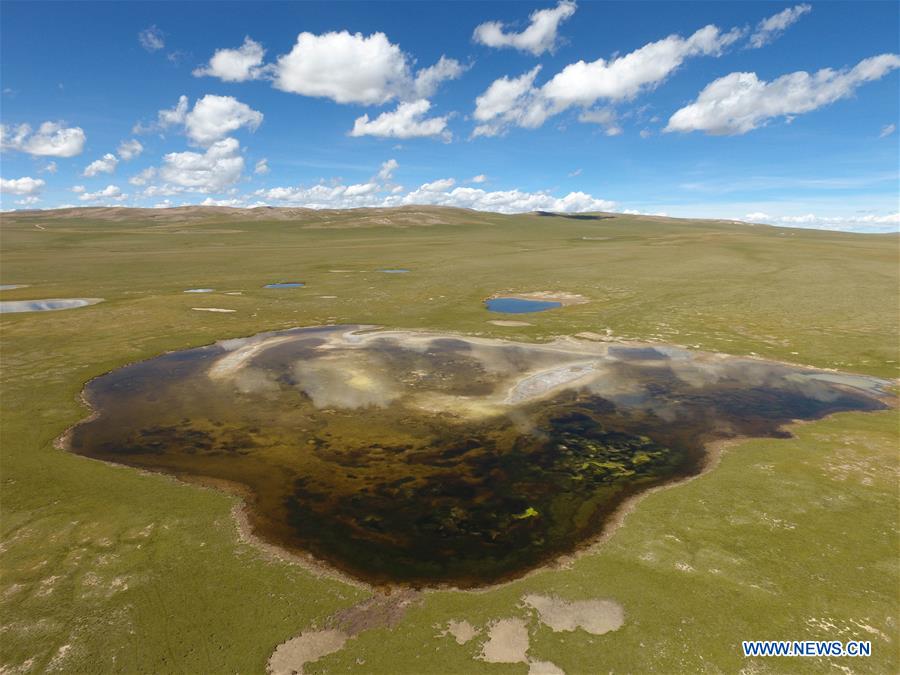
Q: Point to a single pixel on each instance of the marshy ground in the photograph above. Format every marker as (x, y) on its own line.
(110, 569)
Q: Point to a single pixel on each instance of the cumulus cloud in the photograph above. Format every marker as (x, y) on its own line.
(442, 192)
(539, 37)
(111, 193)
(516, 101)
(771, 28)
(353, 68)
(429, 79)
(106, 164)
(345, 67)
(144, 177)
(235, 65)
(740, 102)
(152, 39)
(214, 117)
(211, 119)
(262, 167)
(407, 121)
(505, 102)
(480, 178)
(386, 172)
(219, 167)
(887, 130)
(605, 117)
(52, 139)
(24, 187)
(130, 149)
(889, 222)
(50, 167)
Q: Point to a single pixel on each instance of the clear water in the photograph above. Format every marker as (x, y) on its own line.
(519, 305)
(286, 284)
(50, 305)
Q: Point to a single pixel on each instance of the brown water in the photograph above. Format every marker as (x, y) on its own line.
(425, 459)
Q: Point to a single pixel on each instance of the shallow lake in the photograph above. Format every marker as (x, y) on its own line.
(49, 305)
(423, 459)
(519, 305)
(286, 284)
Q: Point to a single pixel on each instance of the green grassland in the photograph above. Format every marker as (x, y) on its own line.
(108, 569)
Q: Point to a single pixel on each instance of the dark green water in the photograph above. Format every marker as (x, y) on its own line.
(424, 459)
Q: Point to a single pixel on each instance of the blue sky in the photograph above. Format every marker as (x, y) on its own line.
(766, 111)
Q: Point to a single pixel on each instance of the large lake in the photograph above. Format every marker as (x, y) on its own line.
(424, 459)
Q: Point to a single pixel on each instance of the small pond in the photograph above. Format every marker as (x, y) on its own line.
(50, 305)
(519, 305)
(398, 270)
(285, 284)
(200, 290)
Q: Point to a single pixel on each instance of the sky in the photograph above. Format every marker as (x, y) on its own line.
(773, 112)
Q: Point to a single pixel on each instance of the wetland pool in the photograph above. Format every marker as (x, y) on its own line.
(48, 305)
(520, 305)
(425, 459)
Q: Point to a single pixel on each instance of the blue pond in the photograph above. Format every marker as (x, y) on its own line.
(285, 284)
(519, 305)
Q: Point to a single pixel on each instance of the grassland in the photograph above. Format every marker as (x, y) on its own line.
(107, 569)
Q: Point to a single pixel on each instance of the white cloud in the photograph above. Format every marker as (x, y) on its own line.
(111, 193)
(537, 38)
(576, 172)
(212, 171)
(214, 117)
(262, 167)
(28, 201)
(501, 201)
(515, 101)
(504, 102)
(144, 177)
(353, 68)
(889, 222)
(151, 39)
(51, 139)
(429, 79)
(130, 149)
(79, 189)
(646, 133)
(386, 172)
(25, 186)
(236, 65)
(209, 201)
(211, 119)
(771, 28)
(605, 117)
(480, 178)
(345, 67)
(174, 115)
(50, 167)
(887, 130)
(626, 76)
(106, 164)
(741, 102)
(407, 121)
(165, 118)
(444, 192)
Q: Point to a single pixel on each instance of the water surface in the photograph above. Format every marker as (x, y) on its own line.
(519, 305)
(285, 284)
(423, 459)
(48, 305)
